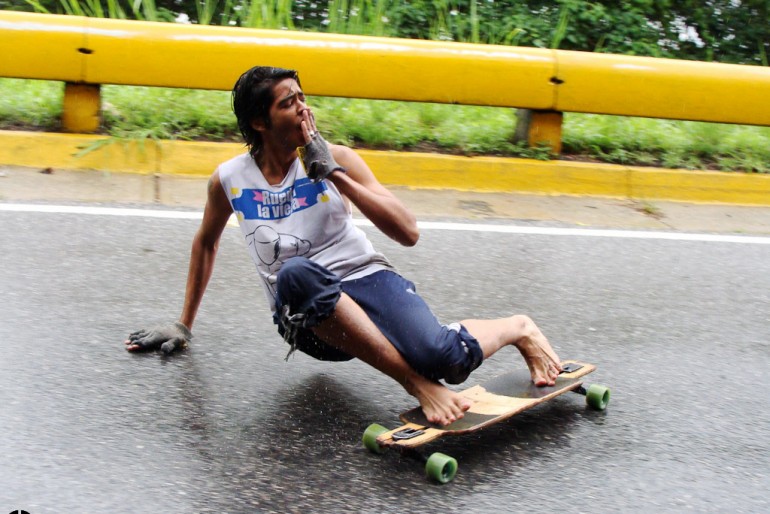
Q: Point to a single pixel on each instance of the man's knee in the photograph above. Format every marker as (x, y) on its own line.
(457, 354)
(457, 372)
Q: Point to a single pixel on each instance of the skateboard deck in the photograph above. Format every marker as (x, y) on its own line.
(495, 400)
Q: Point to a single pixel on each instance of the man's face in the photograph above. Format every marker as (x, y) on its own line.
(286, 113)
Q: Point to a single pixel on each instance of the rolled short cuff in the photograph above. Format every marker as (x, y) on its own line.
(468, 356)
(308, 289)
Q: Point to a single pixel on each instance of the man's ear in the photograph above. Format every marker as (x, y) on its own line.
(258, 124)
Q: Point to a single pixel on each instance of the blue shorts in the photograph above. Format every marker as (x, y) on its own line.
(436, 351)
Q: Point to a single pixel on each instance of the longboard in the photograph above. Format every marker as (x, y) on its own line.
(494, 401)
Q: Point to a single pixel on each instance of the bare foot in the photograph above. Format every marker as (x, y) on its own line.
(440, 405)
(542, 361)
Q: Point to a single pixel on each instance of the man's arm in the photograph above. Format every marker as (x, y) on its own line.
(204, 248)
(374, 201)
(203, 253)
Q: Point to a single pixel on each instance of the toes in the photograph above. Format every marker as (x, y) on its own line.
(546, 379)
(440, 420)
(444, 419)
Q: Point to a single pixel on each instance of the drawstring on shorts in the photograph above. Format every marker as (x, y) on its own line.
(291, 323)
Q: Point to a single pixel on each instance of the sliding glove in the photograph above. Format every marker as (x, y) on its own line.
(167, 337)
(317, 159)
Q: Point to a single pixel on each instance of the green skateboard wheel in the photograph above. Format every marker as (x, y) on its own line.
(597, 396)
(371, 434)
(441, 468)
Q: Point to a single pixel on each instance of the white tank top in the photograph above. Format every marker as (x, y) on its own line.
(296, 218)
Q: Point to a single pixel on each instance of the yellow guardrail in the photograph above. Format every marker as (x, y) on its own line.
(662, 88)
(92, 51)
(105, 51)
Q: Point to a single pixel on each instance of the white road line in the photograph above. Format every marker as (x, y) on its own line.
(587, 232)
(424, 225)
(100, 211)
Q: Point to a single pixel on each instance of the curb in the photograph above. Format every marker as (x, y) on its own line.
(415, 170)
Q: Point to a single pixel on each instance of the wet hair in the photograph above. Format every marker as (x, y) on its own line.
(251, 100)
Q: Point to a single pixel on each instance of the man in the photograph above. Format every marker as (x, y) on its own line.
(332, 295)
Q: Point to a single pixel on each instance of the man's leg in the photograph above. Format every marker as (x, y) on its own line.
(519, 331)
(311, 296)
(434, 350)
(352, 331)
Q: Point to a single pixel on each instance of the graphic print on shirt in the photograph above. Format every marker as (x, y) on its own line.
(271, 247)
(260, 204)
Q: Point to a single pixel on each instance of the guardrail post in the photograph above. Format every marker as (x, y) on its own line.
(82, 107)
(539, 128)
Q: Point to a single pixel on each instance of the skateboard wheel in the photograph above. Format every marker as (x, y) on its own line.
(597, 396)
(371, 434)
(441, 468)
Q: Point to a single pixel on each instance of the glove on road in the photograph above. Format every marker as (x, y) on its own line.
(167, 337)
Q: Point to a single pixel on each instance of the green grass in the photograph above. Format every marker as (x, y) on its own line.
(30, 104)
(668, 143)
(160, 113)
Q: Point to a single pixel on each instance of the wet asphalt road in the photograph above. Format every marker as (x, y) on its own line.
(678, 329)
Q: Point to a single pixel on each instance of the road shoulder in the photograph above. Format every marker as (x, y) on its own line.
(23, 184)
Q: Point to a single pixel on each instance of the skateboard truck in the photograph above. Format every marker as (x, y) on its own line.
(407, 433)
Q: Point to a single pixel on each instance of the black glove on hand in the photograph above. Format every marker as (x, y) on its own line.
(317, 159)
(167, 337)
